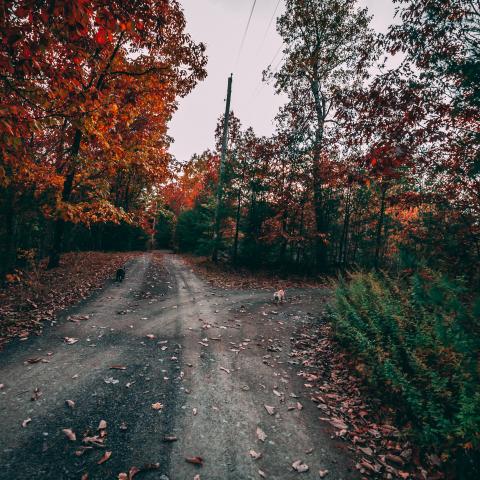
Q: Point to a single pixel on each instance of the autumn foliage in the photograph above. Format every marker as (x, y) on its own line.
(87, 91)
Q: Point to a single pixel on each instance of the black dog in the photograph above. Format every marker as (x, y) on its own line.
(120, 274)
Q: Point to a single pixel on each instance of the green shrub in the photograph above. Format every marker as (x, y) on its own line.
(419, 339)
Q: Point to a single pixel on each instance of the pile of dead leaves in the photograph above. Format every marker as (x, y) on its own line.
(38, 294)
(383, 450)
(225, 276)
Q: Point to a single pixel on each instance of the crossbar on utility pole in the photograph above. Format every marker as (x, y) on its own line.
(216, 233)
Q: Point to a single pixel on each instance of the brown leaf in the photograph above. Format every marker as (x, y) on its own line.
(118, 367)
(85, 476)
(102, 425)
(261, 435)
(151, 336)
(323, 473)
(34, 360)
(170, 438)
(70, 434)
(269, 409)
(299, 466)
(70, 340)
(299, 406)
(36, 394)
(225, 369)
(26, 422)
(132, 472)
(70, 403)
(196, 477)
(157, 406)
(81, 450)
(195, 460)
(262, 474)
(122, 476)
(96, 440)
(254, 454)
(104, 458)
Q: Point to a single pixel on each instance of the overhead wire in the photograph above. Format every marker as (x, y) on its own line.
(245, 32)
(269, 25)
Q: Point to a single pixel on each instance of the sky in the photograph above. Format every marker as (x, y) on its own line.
(220, 24)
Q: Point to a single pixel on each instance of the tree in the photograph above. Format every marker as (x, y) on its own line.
(327, 47)
(73, 73)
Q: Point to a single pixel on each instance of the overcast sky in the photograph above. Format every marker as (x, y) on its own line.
(220, 24)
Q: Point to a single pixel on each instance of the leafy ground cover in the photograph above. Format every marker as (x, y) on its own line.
(35, 295)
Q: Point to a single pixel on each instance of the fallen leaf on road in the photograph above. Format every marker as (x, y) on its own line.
(323, 473)
(255, 455)
(111, 380)
(225, 369)
(151, 336)
(85, 476)
(195, 411)
(70, 434)
(122, 476)
(70, 340)
(299, 466)
(102, 425)
(336, 422)
(157, 406)
(26, 422)
(132, 472)
(70, 403)
(196, 477)
(123, 426)
(261, 435)
(299, 406)
(118, 367)
(170, 438)
(104, 458)
(96, 440)
(269, 409)
(81, 450)
(203, 343)
(34, 360)
(195, 460)
(36, 394)
(262, 474)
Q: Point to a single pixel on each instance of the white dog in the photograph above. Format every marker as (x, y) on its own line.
(279, 296)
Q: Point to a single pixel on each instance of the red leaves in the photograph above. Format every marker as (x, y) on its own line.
(101, 36)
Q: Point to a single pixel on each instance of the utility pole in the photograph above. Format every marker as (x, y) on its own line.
(216, 233)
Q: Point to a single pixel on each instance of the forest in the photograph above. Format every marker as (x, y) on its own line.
(370, 182)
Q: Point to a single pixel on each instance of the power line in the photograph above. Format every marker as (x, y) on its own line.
(269, 25)
(245, 32)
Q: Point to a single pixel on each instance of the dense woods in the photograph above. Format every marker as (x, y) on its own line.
(374, 168)
(87, 91)
(370, 166)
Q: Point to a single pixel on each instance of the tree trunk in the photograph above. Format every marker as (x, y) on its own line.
(378, 239)
(320, 224)
(9, 254)
(59, 228)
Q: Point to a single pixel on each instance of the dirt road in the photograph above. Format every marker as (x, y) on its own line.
(212, 358)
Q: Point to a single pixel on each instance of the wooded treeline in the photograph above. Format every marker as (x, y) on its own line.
(87, 90)
(370, 165)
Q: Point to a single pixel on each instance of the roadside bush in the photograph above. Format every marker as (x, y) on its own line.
(418, 340)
